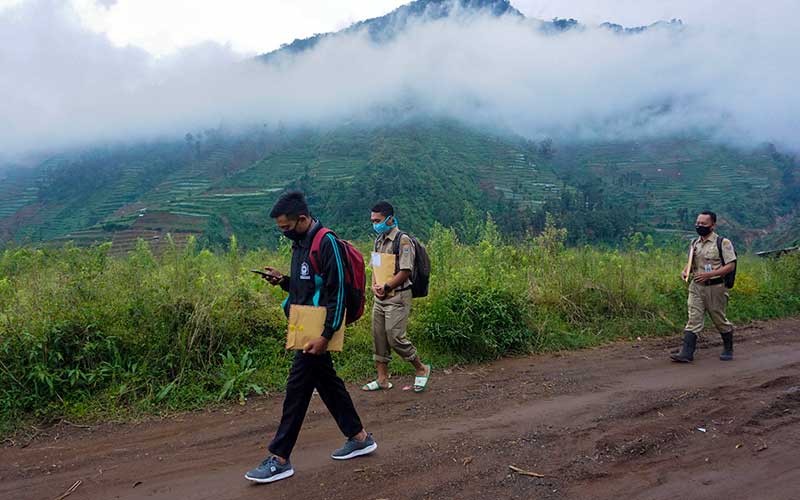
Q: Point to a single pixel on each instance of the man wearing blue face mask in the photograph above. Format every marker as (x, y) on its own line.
(392, 305)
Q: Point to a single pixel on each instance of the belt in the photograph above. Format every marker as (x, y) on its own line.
(394, 293)
(714, 281)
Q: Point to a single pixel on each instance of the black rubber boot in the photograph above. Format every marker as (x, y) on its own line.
(687, 352)
(727, 346)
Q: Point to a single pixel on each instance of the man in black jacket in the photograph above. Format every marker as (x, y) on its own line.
(312, 368)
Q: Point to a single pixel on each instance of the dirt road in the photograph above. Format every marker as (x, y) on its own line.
(617, 422)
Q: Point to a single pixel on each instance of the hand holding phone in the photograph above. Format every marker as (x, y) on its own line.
(273, 276)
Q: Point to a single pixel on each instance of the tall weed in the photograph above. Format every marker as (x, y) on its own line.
(85, 335)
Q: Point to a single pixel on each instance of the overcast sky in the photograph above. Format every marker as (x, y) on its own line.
(255, 26)
(79, 72)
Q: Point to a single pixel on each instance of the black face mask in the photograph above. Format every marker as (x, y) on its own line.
(702, 230)
(293, 235)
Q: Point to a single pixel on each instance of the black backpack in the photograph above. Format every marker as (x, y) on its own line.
(729, 278)
(421, 275)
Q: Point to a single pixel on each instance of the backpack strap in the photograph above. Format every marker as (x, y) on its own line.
(719, 249)
(692, 244)
(316, 243)
(396, 250)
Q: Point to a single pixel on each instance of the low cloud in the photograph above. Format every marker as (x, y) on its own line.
(65, 86)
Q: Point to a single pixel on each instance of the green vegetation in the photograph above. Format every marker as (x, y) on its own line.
(215, 183)
(84, 335)
(665, 182)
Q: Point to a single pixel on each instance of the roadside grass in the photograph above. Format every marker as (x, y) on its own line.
(86, 337)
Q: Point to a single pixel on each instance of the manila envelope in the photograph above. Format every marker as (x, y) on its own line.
(688, 268)
(383, 267)
(306, 323)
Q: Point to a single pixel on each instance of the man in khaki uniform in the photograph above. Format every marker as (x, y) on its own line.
(392, 304)
(707, 290)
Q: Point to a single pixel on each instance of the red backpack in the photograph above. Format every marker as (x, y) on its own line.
(355, 279)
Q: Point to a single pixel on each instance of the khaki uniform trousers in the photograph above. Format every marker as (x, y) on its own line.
(712, 299)
(389, 322)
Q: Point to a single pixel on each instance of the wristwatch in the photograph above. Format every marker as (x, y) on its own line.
(387, 288)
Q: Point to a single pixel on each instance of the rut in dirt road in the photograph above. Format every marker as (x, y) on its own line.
(616, 422)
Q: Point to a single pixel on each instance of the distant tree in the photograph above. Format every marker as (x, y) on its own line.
(191, 145)
(564, 24)
(683, 215)
(790, 175)
(546, 149)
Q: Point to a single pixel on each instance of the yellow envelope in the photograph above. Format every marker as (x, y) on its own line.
(306, 323)
(383, 267)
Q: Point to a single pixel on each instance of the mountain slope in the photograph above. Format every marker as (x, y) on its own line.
(215, 183)
(218, 184)
(668, 181)
(385, 28)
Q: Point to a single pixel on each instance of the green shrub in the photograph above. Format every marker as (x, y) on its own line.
(474, 323)
(84, 335)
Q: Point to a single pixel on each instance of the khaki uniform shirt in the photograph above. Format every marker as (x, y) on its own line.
(385, 244)
(705, 252)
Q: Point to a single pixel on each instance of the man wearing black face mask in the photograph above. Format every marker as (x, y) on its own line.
(713, 258)
(312, 368)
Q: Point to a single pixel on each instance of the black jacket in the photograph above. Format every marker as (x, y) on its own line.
(327, 288)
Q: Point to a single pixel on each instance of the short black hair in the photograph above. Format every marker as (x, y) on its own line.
(384, 208)
(710, 214)
(292, 205)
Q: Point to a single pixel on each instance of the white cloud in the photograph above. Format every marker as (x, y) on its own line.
(249, 26)
(65, 84)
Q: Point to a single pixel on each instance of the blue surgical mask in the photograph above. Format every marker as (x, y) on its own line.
(382, 227)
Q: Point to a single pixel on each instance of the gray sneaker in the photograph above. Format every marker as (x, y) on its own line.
(353, 448)
(270, 470)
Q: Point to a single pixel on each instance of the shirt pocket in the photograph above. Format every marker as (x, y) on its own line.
(710, 255)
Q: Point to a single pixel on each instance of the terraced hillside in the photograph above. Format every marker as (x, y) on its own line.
(223, 184)
(18, 195)
(433, 172)
(215, 184)
(669, 181)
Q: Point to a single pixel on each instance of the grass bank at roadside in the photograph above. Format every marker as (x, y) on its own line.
(86, 336)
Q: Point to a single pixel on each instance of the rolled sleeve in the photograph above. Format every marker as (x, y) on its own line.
(406, 255)
(728, 253)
